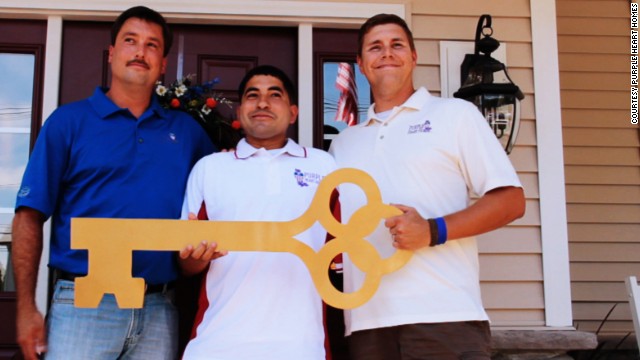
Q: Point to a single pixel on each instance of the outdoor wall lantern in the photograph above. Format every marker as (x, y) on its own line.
(486, 83)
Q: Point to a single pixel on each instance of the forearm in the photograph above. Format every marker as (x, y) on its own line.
(494, 210)
(26, 251)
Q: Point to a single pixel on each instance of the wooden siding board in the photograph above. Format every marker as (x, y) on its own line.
(528, 107)
(603, 156)
(520, 324)
(594, 272)
(519, 55)
(601, 137)
(513, 295)
(598, 311)
(588, 26)
(523, 77)
(527, 133)
(463, 28)
(605, 252)
(519, 317)
(598, 291)
(594, 81)
(594, 9)
(524, 159)
(427, 76)
(594, 44)
(602, 175)
(531, 216)
(497, 8)
(428, 52)
(530, 183)
(603, 213)
(605, 233)
(604, 63)
(595, 99)
(514, 267)
(597, 118)
(603, 194)
(511, 240)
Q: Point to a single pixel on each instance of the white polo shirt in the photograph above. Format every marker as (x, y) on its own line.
(259, 305)
(429, 153)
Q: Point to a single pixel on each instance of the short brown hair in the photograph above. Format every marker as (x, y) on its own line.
(148, 15)
(383, 19)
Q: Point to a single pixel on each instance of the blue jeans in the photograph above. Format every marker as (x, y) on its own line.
(108, 332)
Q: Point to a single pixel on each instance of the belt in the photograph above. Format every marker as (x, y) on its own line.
(149, 288)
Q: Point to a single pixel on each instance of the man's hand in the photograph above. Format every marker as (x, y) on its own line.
(31, 333)
(409, 231)
(203, 252)
(194, 260)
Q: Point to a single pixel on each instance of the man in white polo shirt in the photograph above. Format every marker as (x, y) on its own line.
(428, 154)
(258, 305)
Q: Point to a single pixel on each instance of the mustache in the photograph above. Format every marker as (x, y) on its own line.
(138, 61)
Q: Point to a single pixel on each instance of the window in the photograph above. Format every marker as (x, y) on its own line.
(334, 98)
(17, 71)
(331, 48)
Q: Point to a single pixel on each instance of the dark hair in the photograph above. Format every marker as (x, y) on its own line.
(383, 19)
(146, 14)
(270, 71)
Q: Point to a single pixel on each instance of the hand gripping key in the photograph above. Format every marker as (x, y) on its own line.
(111, 241)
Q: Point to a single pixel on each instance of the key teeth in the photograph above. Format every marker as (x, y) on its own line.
(133, 299)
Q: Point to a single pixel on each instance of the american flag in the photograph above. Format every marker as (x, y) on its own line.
(348, 102)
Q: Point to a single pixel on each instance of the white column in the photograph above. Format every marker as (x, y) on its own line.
(553, 212)
(50, 94)
(305, 84)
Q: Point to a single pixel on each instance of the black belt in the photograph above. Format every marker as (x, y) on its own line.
(149, 288)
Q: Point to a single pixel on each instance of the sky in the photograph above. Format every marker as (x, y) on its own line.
(331, 94)
(16, 90)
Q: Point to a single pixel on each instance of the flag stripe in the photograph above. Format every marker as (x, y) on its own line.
(348, 101)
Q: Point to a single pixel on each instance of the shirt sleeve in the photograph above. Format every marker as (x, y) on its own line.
(44, 175)
(194, 193)
(483, 162)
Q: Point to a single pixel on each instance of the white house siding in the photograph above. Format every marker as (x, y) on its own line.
(602, 161)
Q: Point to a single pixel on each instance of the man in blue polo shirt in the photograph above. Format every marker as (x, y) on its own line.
(117, 154)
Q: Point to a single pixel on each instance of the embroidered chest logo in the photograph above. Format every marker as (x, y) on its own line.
(304, 178)
(172, 137)
(420, 128)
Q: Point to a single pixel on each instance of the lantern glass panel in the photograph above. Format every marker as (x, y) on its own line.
(500, 111)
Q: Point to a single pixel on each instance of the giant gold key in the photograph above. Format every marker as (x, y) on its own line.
(110, 243)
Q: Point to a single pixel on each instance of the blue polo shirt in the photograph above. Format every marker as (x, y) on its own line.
(94, 159)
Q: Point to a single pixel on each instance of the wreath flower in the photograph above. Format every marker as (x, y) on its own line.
(202, 103)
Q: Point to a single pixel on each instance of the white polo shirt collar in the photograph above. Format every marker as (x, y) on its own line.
(244, 150)
(415, 102)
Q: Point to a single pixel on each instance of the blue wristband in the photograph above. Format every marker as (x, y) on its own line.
(442, 230)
